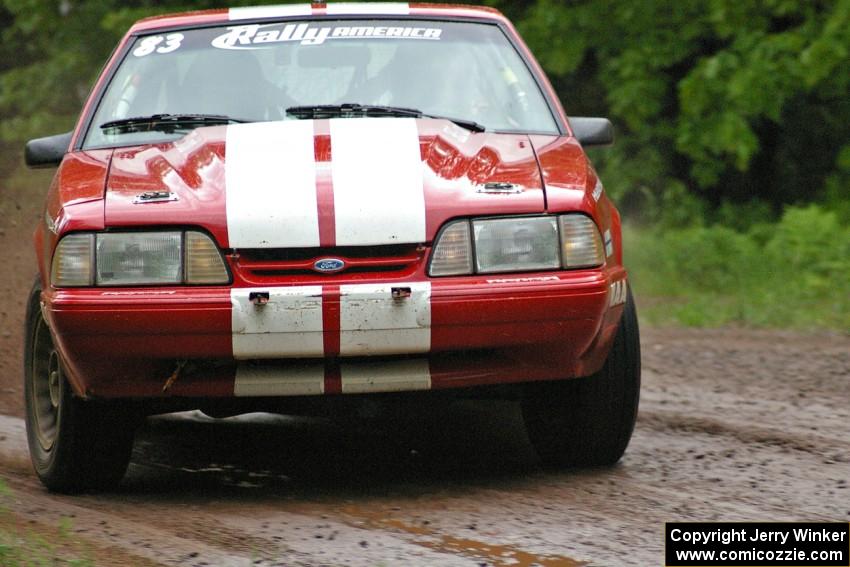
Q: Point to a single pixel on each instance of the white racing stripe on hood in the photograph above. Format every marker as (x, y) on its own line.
(253, 12)
(342, 8)
(377, 181)
(270, 185)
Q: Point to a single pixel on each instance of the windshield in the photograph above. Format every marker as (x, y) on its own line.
(465, 71)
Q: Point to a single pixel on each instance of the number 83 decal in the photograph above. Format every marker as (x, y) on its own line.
(159, 44)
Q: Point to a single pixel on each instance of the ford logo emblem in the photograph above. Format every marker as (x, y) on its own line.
(329, 265)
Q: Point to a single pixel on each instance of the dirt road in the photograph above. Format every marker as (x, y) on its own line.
(734, 425)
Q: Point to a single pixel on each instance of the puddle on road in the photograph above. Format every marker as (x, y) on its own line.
(198, 451)
(495, 555)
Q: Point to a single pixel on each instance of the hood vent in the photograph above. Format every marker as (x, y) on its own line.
(500, 188)
(154, 197)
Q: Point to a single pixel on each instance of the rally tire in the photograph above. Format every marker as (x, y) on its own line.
(589, 421)
(75, 445)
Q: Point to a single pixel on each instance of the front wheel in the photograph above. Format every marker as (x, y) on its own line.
(589, 421)
(74, 444)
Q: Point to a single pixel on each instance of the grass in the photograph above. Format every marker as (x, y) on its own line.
(794, 273)
(38, 546)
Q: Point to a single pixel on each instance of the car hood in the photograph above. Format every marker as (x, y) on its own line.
(309, 183)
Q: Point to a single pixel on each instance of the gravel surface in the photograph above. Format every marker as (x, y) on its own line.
(734, 425)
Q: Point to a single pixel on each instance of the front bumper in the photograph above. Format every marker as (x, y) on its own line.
(328, 339)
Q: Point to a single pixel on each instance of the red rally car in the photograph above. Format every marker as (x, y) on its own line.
(335, 201)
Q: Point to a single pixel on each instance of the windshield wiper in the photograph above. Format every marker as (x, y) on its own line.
(169, 121)
(355, 109)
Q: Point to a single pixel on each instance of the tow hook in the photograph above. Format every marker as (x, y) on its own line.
(400, 293)
(174, 375)
(259, 298)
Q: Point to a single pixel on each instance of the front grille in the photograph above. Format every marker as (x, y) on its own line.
(395, 259)
(313, 254)
(352, 270)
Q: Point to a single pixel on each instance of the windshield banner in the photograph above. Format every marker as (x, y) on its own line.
(259, 37)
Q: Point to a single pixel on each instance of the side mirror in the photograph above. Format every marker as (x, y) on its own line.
(47, 152)
(593, 131)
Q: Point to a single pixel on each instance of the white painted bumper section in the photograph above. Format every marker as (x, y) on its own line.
(293, 378)
(395, 376)
(373, 323)
(289, 325)
(277, 380)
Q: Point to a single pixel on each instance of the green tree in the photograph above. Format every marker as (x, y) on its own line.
(52, 51)
(715, 101)
(730, 99)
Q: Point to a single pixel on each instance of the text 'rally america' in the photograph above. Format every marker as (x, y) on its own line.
(257, 36)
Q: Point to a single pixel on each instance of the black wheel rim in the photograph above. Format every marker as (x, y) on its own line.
(47, 382)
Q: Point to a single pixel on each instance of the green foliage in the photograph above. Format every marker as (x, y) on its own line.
(52, 50)
(732, 99)
(838, 186)
(777, 51)
(795, 272)
(746, 216)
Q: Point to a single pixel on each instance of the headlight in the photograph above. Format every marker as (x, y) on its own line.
(517, 244)
(137, 258)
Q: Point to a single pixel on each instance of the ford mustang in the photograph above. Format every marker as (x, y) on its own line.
(324, 203)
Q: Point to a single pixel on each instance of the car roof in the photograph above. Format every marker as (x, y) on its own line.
(317, 10)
